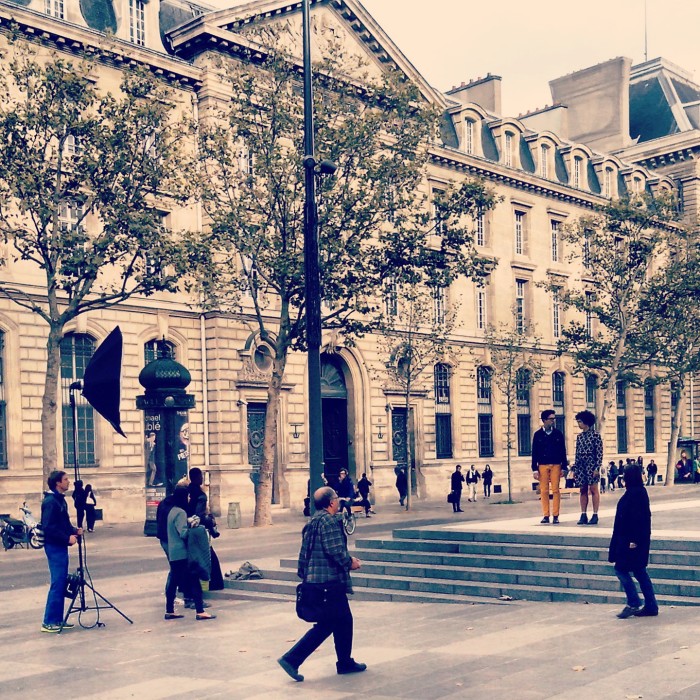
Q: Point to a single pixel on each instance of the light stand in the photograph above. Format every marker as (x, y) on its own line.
(77, 583)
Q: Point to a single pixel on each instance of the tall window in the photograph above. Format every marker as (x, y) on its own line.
(589, 300)
(544, 160)
(76, 351)
(522, 397)
(438, 221)
(137, 22)
(591, 392)
(675, 396)
(3, 406)
(443, 412)
(519, 231)
(469, 136)
(508, 150)
(577, 171)
(391, 298)
(482, 310)
(556, 313)
(649, 425)
(554, 229)
(54, 8)
(586, 251)
(558, 400)
(246, 160)
(520, 306)
(608, 182)
(621, 395)
(480, 229)
(485, 411)
(439, 305)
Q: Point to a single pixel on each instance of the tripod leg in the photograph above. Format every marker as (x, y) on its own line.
(109, 605)
(71, 608)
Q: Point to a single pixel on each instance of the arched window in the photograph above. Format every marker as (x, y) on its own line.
(152, 348)
(443, 412)
(76, 350)
(522, 399)
(621, 394)
(591, 392)
(484, 411)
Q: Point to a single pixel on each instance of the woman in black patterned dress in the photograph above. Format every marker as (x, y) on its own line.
(589, 459)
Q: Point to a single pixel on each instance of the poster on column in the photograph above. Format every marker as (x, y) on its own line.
(155, 461)
(182, 446)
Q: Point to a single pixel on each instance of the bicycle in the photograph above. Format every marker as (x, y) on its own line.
(349, 518)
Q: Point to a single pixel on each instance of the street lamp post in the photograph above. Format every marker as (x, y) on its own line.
(311, 270)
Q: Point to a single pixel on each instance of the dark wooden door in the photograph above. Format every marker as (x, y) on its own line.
(256, 437)
(335, 437)
(399, 442)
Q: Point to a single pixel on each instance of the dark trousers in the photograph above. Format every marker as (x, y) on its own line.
(90, 516)
(80, 515)
(456, 498)
(180, 576)
(630, 589)
(57, 556)
(487, 490)
(337, 621)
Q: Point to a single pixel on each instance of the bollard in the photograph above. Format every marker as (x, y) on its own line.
(233, 519)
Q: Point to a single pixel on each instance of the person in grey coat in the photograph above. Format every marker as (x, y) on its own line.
(179, 529)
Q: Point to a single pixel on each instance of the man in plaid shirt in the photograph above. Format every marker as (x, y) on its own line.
(324, 560)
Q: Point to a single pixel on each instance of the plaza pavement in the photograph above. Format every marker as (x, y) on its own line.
(517, 650)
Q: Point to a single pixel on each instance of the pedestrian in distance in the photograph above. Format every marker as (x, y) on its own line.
(548, 460)
(90, 508)
(487, 479)
(401, 484)
(79, 502)
(589, 459)
(456, 481)
(59, 534)
(630, 544)
(324, 561)
(363, 487)
(652, 469)
(612, 475)
(472, 477)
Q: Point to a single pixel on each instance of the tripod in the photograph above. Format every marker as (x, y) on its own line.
(77, 583)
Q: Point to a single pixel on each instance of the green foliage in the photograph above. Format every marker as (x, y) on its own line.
(80, 176)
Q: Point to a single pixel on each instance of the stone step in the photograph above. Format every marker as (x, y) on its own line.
(547, 537)
(519, 563)
(513, 549)
(285, 589)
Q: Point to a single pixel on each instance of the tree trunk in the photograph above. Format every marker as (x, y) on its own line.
(611, 389)
(263, 488)
(49, 403)
(673, 442)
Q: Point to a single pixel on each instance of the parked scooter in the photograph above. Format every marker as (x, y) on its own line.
(21, 532)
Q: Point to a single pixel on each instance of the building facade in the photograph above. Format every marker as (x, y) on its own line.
(548, 167)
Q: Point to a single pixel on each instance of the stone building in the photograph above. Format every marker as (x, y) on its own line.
(550, 167)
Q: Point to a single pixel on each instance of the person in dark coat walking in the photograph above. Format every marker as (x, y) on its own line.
(629, 546)
(401, 484)
(363, 487)
(456, 481)
(79, 501)
(90, 508)
(487, 478)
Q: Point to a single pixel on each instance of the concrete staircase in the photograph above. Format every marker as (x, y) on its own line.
(458, 566)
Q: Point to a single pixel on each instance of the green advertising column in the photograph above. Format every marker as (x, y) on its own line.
(165, 404)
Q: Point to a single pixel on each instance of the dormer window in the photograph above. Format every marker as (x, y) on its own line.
(508, 150)
(469, 125)
(608, 182)
(54, 8)
(578, 164)
(544, 161)
(137, 22)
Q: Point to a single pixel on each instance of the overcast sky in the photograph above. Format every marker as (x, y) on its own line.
(529, 42)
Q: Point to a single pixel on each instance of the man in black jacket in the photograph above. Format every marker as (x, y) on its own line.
(59, 534)
(548, 458)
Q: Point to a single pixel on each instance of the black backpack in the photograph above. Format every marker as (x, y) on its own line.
(164, 508)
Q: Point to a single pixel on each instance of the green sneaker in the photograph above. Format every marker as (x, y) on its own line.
(51, 629)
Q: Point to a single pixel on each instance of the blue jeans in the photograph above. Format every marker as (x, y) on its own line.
(57, 556)
(630, 589)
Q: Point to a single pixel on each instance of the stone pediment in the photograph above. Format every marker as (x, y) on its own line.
(341, 27)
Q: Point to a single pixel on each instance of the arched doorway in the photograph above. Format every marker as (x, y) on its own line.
(334, 400)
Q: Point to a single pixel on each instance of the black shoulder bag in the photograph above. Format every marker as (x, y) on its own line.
(311, 597)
